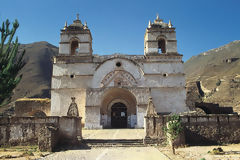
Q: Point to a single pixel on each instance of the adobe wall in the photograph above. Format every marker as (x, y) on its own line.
(45, 132)
(30, 106)
(207, 129)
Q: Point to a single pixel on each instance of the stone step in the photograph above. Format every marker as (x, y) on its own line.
(114, 142)
(108, 146)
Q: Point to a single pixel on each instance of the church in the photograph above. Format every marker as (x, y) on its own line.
(112, 91)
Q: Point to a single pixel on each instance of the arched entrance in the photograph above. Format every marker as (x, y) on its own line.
(118, 109)
(119, 115)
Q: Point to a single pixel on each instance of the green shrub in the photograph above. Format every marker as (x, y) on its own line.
(218, 82)
(218, 150)
(173, 129)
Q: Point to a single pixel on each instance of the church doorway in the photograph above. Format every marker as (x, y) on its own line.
(118, 109)
(119, 115)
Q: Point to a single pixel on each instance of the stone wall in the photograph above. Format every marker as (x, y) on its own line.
(207, 129)
(46, 132)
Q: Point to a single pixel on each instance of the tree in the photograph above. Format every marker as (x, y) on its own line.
(11, 61)
(173, 130)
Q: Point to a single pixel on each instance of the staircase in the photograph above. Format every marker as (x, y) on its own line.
(93, 143)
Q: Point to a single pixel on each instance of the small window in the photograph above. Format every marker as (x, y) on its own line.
(165, 75)
(118, 64)
(74, 47)
(161, 46)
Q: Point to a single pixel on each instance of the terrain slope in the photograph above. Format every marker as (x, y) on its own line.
(218, 74)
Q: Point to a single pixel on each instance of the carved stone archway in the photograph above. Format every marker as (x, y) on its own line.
(118, 95)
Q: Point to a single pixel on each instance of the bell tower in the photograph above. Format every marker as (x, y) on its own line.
(160, 38)
(76, 39)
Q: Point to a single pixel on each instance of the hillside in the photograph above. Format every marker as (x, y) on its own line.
(218, 73)
(36, 80)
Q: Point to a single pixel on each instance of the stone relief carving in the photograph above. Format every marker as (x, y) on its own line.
(73, 109)
(119, 78)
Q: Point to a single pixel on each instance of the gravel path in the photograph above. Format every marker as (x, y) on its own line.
(114, 134)
(129, 153)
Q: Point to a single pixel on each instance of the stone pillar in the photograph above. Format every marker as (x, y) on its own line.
(153, 125)
(70, 130)
(150, 119)
(47, 138)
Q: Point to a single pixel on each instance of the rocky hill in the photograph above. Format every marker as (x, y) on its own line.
(36, 80)
(214, 76)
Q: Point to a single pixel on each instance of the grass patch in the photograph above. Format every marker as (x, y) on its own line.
(217, 151)
(27, 153)
(19, 148)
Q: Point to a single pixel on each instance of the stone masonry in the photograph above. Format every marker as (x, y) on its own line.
(47, 132)
(207, 129)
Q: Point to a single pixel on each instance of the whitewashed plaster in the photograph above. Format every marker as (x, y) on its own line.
(110, 65)
(169, 99)
(81, 37)
(161, 68)
(75, 69)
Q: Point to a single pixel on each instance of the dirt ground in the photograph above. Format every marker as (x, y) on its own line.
(113, 134)
(111, 153)
(21, 153)
(231, 152)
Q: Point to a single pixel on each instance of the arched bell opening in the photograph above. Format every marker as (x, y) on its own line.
(161, 46)
(74, 47)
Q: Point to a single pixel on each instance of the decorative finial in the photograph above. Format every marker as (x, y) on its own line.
(157, 17)
(149, 24)
(65, 26)
(77, 16)
(170, 24)
(85, 25)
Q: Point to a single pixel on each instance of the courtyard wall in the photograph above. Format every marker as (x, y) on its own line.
(47, 132)
(198, 130)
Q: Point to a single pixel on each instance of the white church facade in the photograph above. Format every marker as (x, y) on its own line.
(112, 91)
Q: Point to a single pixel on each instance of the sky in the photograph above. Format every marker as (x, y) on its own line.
(118, 26)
